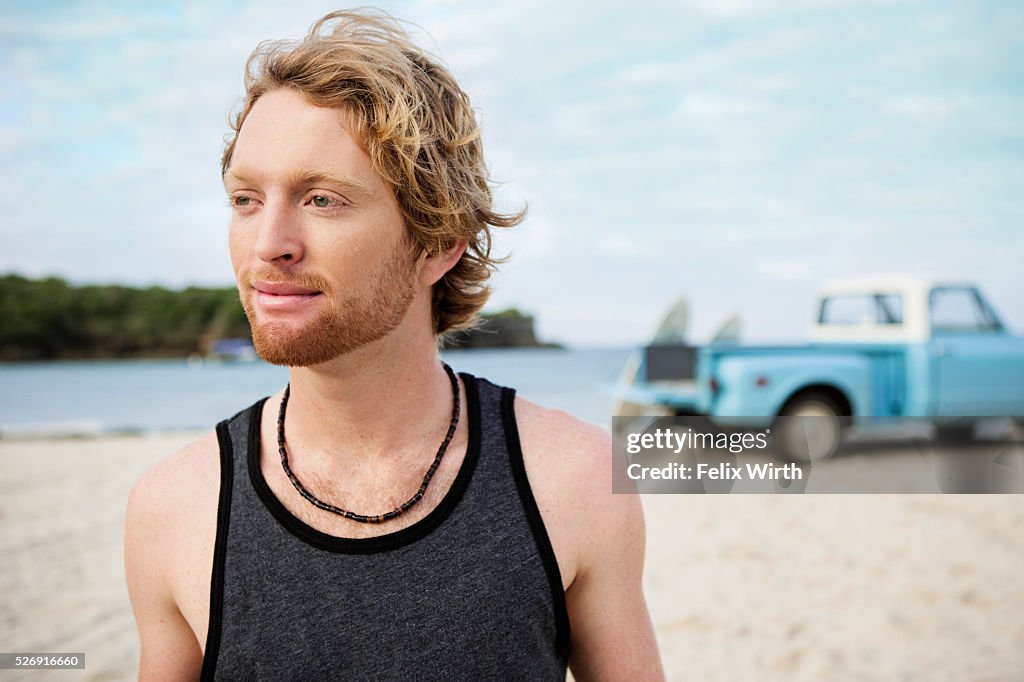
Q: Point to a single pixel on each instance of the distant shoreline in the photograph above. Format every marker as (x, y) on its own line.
(50, 319)
(62, 433)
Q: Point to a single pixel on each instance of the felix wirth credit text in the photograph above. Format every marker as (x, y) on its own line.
(667, 440)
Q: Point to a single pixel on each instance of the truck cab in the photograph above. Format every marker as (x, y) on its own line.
(961, 360)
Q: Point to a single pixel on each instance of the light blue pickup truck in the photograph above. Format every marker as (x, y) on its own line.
(893, 347)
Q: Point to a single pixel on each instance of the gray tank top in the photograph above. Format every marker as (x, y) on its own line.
(470, 592)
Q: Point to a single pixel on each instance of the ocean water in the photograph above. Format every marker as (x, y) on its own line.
(158, 395)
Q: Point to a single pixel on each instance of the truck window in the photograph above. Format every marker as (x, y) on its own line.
(959, 310)
(862, 309)
(890, 308)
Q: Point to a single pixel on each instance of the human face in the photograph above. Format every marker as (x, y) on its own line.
(317, 240)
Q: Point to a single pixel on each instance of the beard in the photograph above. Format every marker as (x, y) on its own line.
(343, 323)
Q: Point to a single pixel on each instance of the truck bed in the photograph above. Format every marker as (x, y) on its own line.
(758, 380)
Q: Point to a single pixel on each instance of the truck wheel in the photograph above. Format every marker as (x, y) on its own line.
(958, 431)
(809, 428)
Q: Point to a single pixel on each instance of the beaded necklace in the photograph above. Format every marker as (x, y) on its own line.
(375, 518)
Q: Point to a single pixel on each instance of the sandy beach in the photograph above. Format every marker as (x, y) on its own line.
(758, 587)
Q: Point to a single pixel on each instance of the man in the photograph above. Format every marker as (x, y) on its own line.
(380, 518)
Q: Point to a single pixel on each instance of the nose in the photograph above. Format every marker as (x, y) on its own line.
(280, 234)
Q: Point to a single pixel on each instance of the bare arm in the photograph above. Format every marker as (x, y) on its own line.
(169, 649)
(598, 539)
(612, 635)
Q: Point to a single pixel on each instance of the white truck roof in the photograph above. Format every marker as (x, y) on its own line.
(913, 293)
(890, 284)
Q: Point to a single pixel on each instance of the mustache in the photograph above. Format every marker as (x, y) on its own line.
(306, 281)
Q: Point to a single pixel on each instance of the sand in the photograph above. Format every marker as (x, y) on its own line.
(759, 587)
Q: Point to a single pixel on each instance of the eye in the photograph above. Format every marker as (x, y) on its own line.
(324, 201)
(242, 203)
(328, 203)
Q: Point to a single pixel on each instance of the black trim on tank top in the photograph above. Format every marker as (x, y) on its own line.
(533, 516)
(227, 477)
(380, 543)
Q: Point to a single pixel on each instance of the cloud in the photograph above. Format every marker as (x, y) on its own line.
(733, 151)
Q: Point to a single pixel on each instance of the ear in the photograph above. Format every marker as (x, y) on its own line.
(434, 266)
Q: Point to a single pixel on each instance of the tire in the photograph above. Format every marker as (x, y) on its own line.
(810, 428)
(957, 431)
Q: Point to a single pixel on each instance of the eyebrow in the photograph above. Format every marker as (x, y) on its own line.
(310, 177)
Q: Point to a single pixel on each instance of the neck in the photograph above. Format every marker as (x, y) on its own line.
(370, 403)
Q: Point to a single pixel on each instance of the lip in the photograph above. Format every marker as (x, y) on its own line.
(281, 297)
(282, 289)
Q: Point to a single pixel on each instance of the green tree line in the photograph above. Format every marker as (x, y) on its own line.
(50, 319)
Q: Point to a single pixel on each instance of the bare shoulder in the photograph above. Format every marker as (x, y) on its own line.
(171, 517)
(174, 504)
(560, 445)
(181, 479)
(169, 533)
(569, 465)
(599, 541)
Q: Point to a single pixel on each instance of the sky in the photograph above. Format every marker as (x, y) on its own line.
(733, 153)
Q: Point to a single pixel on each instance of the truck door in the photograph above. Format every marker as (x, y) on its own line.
(979, 368)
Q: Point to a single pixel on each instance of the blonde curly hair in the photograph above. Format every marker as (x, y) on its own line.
(418, 128)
